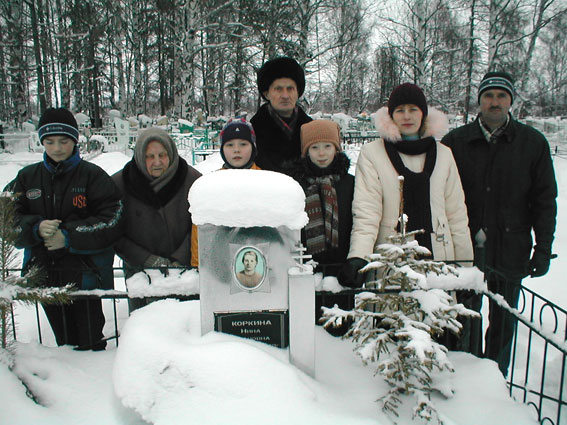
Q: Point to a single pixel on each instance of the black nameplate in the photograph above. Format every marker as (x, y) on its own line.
(271, 327)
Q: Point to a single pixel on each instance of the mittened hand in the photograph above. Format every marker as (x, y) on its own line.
(539, 264)
(349, 274)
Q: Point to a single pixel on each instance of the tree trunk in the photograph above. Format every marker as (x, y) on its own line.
(17, 67)
(470, 62)
(63, 58)
(525, 74)
(38, 62)
(94, 90)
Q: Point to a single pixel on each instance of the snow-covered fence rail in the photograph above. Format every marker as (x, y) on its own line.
(559, 151)
(20, 142)
(360, 138)
(539, 354)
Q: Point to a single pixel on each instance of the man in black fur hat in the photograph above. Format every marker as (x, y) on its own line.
(510, 190)
(281, 82)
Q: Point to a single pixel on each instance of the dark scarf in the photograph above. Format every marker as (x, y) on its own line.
(62, 167)
(286, 125)
(137, 185)
(416, 193)
(321, 205)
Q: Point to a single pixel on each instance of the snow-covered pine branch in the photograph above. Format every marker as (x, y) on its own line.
(19, 288)
(397, 326)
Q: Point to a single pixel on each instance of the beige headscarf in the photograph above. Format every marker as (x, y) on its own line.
(155, 134)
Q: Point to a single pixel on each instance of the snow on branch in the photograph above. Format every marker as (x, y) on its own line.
(398, 325)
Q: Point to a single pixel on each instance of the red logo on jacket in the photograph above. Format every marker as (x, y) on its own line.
(32, 194)
(80, 201)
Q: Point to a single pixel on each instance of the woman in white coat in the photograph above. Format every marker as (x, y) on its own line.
(433, 196)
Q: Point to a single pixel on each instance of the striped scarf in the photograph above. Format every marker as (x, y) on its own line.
(286, 126)
(492, 136)
(322, 231)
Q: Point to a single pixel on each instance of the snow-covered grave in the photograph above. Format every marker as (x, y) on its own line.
(251, 285)
(166, 372)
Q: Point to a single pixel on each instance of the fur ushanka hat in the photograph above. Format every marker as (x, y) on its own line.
(282, 67)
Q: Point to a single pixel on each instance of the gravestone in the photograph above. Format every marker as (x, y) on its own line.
(252, 280)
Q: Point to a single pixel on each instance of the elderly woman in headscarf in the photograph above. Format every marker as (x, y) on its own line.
(155, 185)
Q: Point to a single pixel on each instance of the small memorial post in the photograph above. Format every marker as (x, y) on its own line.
(251, 285)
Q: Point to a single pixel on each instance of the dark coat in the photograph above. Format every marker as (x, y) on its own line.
(156, 223)
(84, 197)
(274, 148)
(331, 260)
(510, 190)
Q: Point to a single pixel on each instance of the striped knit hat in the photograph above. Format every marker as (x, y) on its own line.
(58, 122)
(497, 80)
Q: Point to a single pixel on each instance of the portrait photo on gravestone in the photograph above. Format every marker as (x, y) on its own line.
(249, 267)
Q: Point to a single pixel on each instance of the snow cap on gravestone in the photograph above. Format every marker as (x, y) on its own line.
(58, 122)
(282, 67)
(497, 80)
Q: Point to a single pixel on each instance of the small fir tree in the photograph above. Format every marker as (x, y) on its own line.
(14, 287)
(397, 326)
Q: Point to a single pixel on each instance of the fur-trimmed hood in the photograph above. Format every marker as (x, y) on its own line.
(436, 124)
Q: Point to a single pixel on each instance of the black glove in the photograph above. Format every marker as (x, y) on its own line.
(539, 264)
(349, 274)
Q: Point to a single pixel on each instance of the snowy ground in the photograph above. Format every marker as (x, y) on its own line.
(220, 379)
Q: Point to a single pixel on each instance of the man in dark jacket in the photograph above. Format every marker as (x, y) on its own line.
(510, 190)
(281, 82)
(69, 215)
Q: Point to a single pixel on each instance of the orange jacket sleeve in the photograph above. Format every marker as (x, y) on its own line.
(194, 246)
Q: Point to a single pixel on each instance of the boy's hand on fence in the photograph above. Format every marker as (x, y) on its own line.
(349, 274)
(57, 241)
(47, 228)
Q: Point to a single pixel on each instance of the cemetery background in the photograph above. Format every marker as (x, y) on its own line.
(73, 385)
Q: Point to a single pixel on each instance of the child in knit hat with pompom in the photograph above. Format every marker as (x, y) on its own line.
(322, 172)
(238, 145)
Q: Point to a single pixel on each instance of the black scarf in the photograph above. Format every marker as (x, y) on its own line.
(286, 125)
(136, 184)
(417, 202)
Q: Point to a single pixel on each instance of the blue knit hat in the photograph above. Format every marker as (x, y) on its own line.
(497, 80)
(58, 122)
(238, 129)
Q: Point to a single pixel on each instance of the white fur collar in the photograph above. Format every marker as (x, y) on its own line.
(436, 124)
